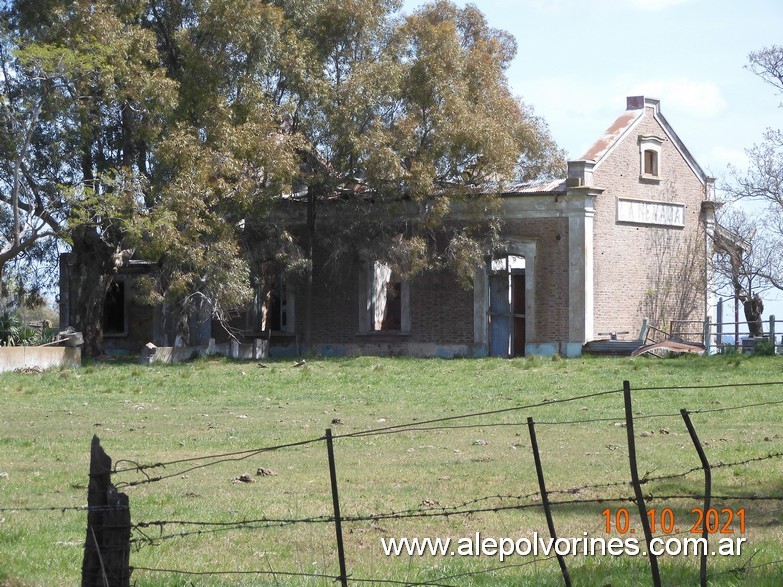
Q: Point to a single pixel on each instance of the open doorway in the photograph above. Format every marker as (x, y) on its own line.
(115, 317)
(507, 307)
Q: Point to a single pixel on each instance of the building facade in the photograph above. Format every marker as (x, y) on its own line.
(626, 236)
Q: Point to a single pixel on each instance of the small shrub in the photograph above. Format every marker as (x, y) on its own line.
(27, 336)
(9, 329)
(765, 348)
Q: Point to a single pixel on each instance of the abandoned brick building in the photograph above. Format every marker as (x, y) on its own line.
(626, 236)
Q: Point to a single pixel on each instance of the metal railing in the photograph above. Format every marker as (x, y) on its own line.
(725, 336)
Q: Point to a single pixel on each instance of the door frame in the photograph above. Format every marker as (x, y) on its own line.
(481, 296)
(507, 284)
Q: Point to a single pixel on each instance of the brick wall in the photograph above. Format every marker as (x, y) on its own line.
(335, 302)
(630, 260)
(441, 312)
(551, 275)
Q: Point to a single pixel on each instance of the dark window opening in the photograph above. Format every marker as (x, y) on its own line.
(114, 309)
(277, 317)
(391, 314)
(650, 162)
(386, 305)
(274, 307)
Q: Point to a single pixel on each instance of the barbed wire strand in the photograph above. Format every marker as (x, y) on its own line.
(731, 408)
(456, 508)
(229, 456)
(261, 523)
(76, 508)
(216, 573)
(404, 427)
(418, 427)
(713, 386)
(245, 454)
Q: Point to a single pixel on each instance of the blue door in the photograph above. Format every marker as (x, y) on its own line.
(499, 315)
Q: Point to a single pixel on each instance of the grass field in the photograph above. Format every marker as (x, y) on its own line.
(479, 470)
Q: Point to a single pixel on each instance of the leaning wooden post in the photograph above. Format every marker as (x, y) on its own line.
(707, 491)
(106, 560)
(545, 499)
(338, 526)
(637, 486)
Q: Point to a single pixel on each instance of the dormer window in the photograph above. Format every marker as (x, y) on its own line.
(650, 157)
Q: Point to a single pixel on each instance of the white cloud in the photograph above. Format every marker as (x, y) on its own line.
(688, 98)
(576, 119)
(556, 94)
(695, 99)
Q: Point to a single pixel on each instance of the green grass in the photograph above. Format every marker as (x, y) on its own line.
(152, 414)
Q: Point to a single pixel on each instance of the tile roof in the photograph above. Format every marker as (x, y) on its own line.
(625, 121)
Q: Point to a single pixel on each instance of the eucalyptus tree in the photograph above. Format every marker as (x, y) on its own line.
(168, 129)
(138, 130)
(227, 154)
(410, 129)
(86, 99)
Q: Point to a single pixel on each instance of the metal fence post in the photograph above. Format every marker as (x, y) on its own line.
(545, 499)
(772, 331)
(637, 487)
(707, 491)
(338, 527)
(707, 334)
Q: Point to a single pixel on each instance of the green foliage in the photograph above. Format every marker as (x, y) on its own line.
(9, 329)
(13, 332)
(167, 131)
(764, 347)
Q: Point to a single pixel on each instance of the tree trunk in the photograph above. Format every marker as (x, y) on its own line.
(93, 264)
(308, 335)
(89, 287)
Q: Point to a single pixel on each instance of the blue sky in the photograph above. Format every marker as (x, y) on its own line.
(577, 60)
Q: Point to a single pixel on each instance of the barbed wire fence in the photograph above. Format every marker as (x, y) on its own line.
(112, 536)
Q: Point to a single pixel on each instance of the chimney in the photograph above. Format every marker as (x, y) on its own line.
(634, 102)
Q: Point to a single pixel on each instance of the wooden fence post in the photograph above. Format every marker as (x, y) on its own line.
(106, 560)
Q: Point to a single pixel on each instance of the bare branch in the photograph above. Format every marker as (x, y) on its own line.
(767, 63)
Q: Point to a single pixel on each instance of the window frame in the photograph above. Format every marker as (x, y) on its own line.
(650, 144)
(284, 309)
(368, 299)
